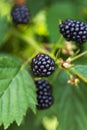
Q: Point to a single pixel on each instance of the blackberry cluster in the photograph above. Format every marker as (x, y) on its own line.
(73, 30)
(44, 94)
(42, 65)
(20, 14)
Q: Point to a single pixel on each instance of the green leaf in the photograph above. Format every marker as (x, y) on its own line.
(80, 71)
(70, 103)
(17, 91)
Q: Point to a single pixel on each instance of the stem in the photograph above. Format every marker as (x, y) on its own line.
(58, 54)
(67, 72)
(32, 42)
(55, 45)
(78, 74)
(78, 56)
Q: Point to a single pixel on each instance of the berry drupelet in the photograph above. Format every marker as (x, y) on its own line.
(73, 30)
(42, 65)
(44, 94)
(20, 14)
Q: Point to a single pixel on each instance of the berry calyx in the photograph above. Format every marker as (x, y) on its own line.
(73, 30)
(20, 14)
(44, 94)
(42, 65)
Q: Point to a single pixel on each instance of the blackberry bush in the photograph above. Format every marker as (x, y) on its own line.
(21, 91)
(42, 65)
(44, 94)
(73, 30)
(20, 14)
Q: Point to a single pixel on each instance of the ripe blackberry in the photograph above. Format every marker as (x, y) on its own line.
(42, 65)
(73, 30)
(44, 94)
(20, 14)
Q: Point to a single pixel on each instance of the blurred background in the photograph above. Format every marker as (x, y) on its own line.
(43, 29)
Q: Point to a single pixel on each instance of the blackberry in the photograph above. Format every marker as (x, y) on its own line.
(73, 30)
(44, 94)
(20, 14)
(42, 65)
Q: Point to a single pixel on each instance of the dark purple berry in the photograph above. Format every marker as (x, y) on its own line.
(42, 65)
(44, 94)
(73, 30)
(20, 14)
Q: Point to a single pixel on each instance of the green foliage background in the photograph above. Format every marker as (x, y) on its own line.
(69, 111)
